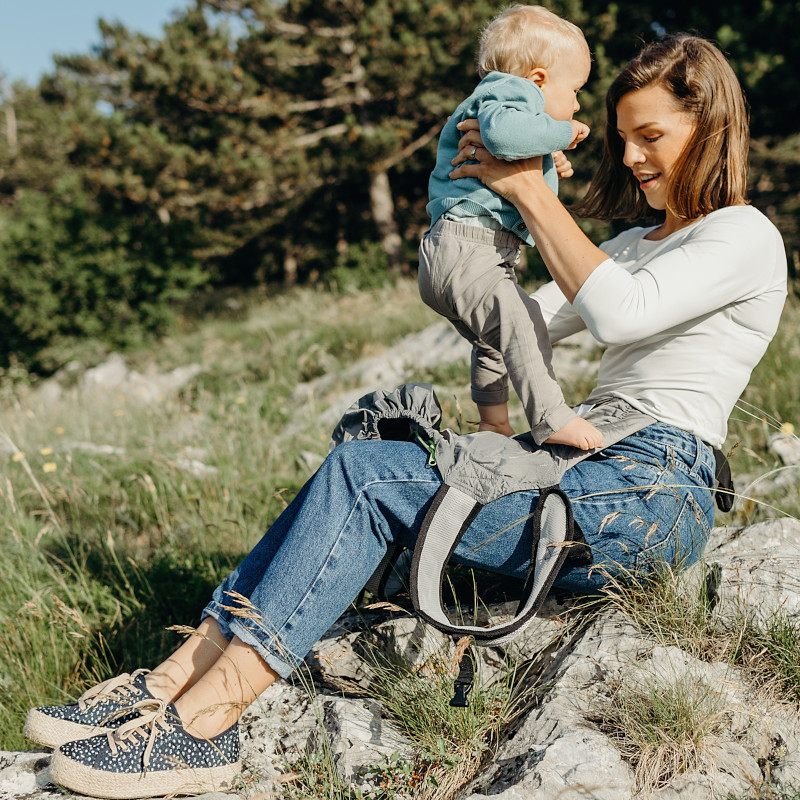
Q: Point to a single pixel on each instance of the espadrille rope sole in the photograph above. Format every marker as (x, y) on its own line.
(120, 786)
(53, 732)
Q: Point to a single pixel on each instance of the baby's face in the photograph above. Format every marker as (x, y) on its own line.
(563, 81)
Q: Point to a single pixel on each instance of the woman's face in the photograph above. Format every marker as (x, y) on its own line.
(655, 130)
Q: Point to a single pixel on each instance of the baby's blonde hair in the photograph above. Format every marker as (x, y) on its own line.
(523, 37)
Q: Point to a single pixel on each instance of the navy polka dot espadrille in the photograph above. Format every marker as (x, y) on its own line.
(105, 706)
(148, 757)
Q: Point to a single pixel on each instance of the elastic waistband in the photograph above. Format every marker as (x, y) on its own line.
(473, 233)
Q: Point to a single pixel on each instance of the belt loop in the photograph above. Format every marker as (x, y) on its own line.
(701, 451)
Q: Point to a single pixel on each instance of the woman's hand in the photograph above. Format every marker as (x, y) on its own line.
(510, 179)
(569, 255)
(470, 139)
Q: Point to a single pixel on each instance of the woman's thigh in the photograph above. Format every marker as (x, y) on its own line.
(640, 503)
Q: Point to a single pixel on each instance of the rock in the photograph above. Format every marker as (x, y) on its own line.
(148, 388)
(437, 344)
(25, 775)
(111, 374)
(335, 659)
(360, 739)
(756, 570)
(275, 730)
(786, 446)
(556, 752)
(195, 468)
(410, 641)
(93, 449)
(732, 773)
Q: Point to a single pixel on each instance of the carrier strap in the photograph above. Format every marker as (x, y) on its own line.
(444, 525)
(448, 518)
(724, 493)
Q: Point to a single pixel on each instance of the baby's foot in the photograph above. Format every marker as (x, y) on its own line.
(577, 433)
(498, 427)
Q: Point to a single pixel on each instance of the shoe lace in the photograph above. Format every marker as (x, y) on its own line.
(113, 689)
(147, 726)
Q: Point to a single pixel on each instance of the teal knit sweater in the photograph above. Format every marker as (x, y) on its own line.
(513, 126)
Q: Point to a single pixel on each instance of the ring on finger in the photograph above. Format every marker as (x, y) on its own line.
(474, 150)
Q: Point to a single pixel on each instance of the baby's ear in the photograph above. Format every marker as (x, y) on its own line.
(538, 75)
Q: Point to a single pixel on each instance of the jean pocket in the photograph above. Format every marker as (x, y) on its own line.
(625, 478)
(679, 543)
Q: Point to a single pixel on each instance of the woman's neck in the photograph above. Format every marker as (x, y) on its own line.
(668, 227)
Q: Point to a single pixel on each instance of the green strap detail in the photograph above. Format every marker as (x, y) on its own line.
(430, 446)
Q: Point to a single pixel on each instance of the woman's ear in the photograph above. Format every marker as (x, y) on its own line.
(538, 75)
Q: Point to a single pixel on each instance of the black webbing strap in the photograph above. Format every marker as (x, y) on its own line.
(465, 680)
(723, 492)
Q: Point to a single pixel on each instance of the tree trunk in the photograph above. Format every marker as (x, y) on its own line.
(382, 205)
(289, 270)
(11, 117)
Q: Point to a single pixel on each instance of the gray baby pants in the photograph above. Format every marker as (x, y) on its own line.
(466, 274)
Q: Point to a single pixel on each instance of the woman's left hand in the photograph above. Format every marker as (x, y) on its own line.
(470, 141)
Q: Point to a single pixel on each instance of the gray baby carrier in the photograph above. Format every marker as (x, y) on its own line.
(476, 469)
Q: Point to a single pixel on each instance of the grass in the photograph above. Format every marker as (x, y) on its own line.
(450, 743)
(105, 549)
(770, 401)
(109, 538)
(664, 728)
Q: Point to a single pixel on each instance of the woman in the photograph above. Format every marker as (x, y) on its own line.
(686, 309)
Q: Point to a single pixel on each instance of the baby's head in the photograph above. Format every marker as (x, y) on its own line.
(532, 42)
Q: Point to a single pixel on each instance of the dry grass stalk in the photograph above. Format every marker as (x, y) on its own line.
(664, 729)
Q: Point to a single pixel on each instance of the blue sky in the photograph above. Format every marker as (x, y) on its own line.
(31, 31)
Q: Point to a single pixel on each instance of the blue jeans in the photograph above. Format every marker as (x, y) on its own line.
(641, 502)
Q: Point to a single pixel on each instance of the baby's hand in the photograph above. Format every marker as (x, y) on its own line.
(579, 132)
(563, 165)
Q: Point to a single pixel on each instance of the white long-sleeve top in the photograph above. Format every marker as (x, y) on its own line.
(684, 319)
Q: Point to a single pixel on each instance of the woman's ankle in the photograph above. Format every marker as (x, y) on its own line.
(210, 721)
(163, 687)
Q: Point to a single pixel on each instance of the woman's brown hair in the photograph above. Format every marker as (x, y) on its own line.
(711, 172)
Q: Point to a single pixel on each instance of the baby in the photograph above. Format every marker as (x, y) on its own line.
(532, 64)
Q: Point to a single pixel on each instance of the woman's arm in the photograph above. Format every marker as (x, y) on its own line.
(568, 254)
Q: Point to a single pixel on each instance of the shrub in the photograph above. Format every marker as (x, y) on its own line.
(70, 269)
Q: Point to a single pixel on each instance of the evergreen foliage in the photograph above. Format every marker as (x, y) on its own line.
(267, 142)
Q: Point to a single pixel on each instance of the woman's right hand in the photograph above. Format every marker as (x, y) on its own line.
(569, 255)
(510, 179)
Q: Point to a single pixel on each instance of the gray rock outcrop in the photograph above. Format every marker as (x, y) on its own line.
(563, 745)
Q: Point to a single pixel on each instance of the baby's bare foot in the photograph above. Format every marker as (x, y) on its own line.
(578, 433)
(497, 427)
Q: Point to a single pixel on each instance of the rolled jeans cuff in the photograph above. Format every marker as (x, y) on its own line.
(490, 397)
(230, 627)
